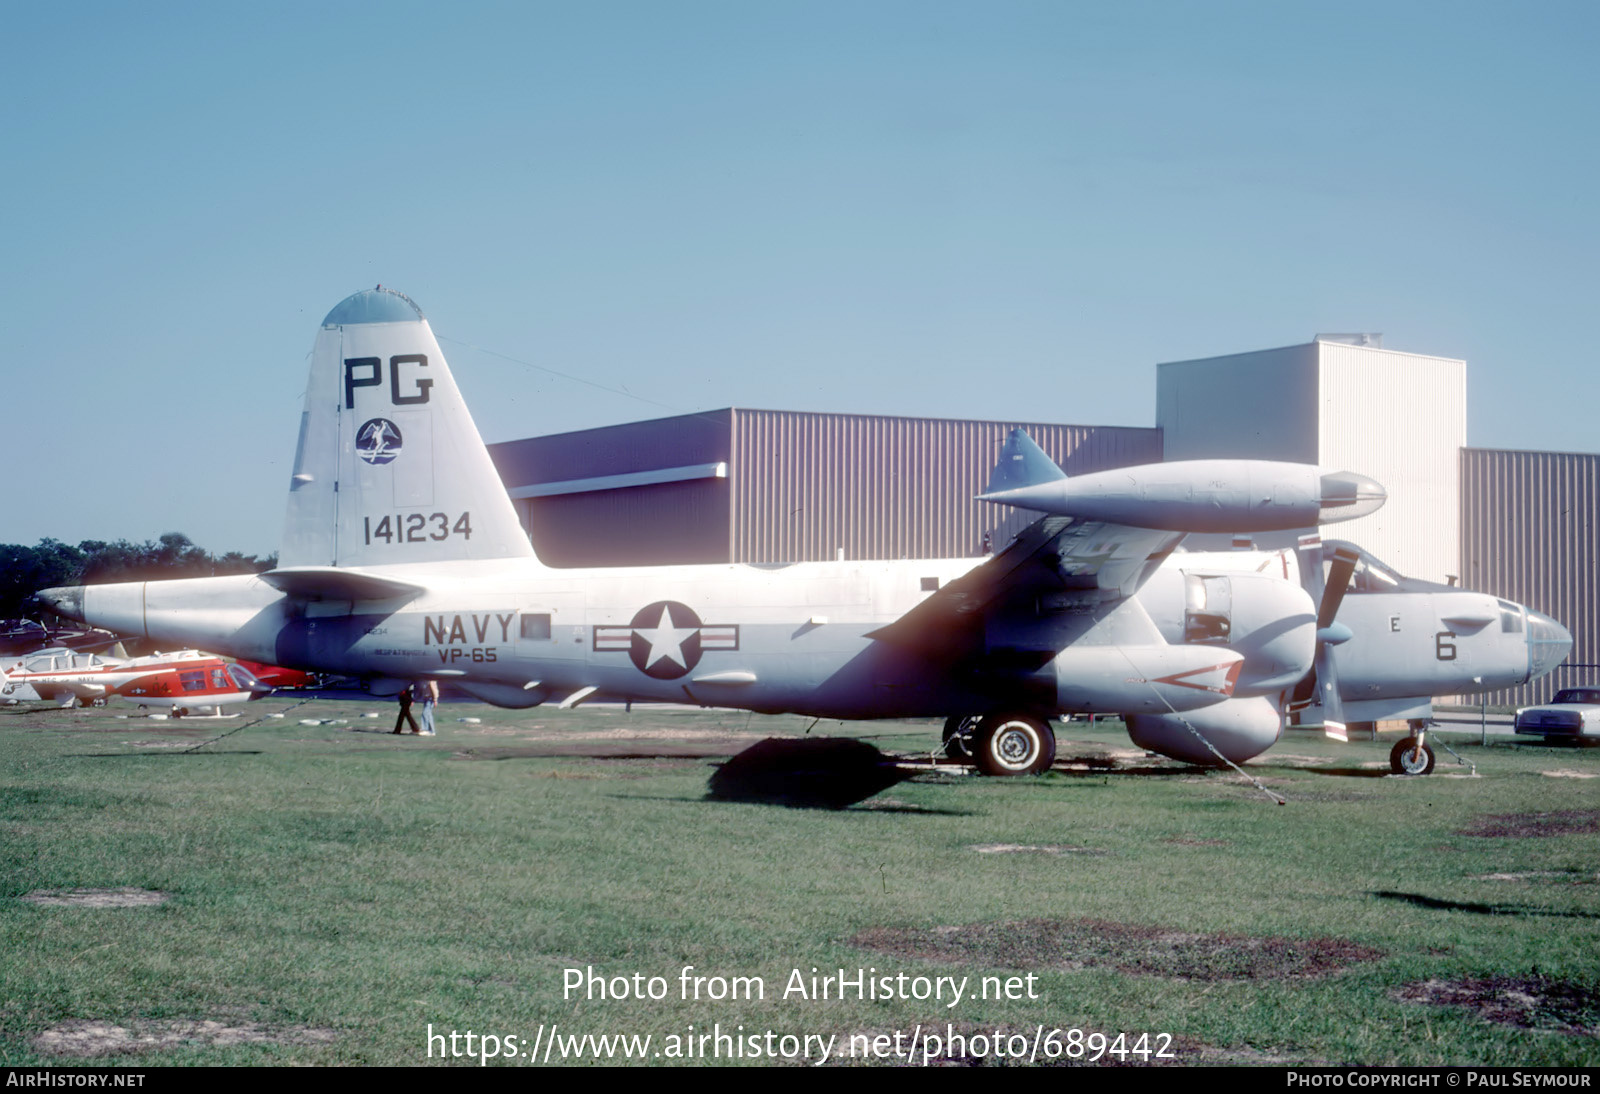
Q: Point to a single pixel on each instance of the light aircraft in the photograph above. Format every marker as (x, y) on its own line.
(402, 558)
(185, 680)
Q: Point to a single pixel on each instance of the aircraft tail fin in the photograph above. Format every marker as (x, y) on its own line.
(1022, 463)
(390, 467)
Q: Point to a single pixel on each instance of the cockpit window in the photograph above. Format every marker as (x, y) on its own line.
(1370, 576)
(1510, 618)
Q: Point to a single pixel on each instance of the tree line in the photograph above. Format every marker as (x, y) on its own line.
(26, 570)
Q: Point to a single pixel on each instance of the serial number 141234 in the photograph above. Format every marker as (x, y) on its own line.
(416, 528)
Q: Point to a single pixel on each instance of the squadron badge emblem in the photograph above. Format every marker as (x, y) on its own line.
(378, 440)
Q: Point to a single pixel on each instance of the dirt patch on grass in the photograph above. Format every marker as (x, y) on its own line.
(1571, 877)
(1565, 822)
(86, 1039)
(1528, 1002)
(1033, 849)
(1570, 774)
(1195, 841)
(96, 898)
(1131, 948)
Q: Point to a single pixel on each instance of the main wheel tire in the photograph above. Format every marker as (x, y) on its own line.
(1408, 757)
(959, 730)
(1013, 744)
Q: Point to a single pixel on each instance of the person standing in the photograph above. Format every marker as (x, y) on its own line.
(427, 694)
(405, 713)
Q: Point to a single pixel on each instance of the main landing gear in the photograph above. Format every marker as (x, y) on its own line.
(1001, 744)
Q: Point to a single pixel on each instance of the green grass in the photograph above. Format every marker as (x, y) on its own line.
(340, 880)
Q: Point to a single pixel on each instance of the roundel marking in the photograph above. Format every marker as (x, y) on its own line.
(666, 640)
(378, 440)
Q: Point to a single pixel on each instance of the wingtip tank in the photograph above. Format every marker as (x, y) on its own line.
(1185, 495)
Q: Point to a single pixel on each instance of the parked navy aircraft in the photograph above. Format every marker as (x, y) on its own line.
(402, 558)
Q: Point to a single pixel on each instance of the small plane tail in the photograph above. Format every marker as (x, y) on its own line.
(1022, 463)
(390, 467)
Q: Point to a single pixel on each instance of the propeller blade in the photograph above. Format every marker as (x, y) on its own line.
(1344, 565)
(1310, 559)
(1322, 683)
(1338, 583)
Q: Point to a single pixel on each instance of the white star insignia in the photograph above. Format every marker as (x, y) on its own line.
(665, 640)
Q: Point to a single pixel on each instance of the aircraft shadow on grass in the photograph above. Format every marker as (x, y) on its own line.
(1477, 907)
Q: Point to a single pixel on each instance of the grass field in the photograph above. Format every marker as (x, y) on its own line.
(324, 893)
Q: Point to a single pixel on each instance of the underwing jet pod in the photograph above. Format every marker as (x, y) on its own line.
(402, 559)
(1192, 495)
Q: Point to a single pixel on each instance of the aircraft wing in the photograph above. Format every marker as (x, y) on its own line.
(1063, 568)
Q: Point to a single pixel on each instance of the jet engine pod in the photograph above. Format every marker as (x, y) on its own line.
(1194, 495)
(1237, 728)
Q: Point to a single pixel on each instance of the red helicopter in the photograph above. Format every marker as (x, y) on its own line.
(185, 681)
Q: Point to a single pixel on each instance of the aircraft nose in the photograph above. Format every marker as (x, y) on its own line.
(64, 601)
(1548, 643)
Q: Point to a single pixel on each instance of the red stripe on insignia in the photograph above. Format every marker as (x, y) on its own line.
(720, 637)
(613, 638)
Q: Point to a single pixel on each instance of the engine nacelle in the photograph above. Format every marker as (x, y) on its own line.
(1268, 621)
(1237, 728)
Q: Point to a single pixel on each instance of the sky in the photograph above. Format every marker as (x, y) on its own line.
(612, 211)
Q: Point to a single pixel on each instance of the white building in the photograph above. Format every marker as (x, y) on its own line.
(1345, 403)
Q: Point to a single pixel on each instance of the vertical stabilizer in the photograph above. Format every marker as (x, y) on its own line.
(390, 468)
(1022, 463)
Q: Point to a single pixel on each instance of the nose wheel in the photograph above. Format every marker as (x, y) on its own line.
(1411, 756)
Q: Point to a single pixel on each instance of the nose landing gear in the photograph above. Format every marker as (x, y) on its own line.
(1412, 756)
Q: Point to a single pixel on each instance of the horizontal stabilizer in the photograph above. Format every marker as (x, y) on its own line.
(1022, 463)
(329, 583)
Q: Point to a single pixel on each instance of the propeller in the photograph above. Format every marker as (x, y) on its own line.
(1322, 682)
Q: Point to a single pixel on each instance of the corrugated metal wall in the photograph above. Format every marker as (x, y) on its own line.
(655, 525)
(1530, 532)
(640, 525)
(806, 485)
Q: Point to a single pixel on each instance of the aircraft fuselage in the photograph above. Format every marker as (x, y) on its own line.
(517, 634)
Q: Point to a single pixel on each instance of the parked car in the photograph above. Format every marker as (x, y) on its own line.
(1574, 712)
